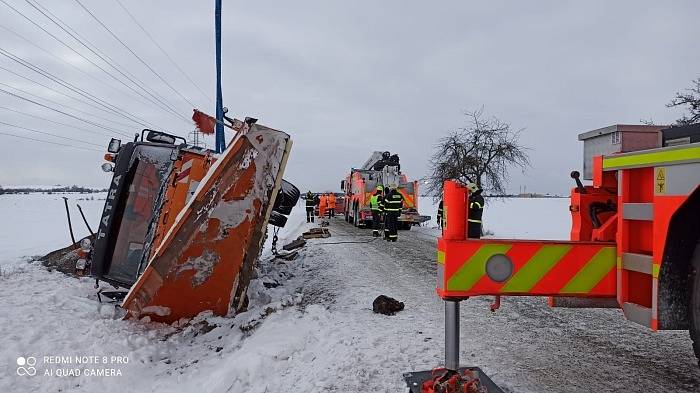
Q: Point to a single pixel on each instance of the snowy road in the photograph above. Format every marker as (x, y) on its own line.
(315, 331)
(525, 346)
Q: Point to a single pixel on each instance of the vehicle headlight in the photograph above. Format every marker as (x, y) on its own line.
(85, 244)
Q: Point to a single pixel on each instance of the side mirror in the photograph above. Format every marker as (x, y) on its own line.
(114, 145)
(342, 185)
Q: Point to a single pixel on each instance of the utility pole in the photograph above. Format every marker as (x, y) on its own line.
(220, 139)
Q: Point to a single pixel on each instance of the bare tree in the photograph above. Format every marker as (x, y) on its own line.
(691, 99)
(482, 152)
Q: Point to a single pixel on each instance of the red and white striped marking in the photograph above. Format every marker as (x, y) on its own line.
(184, 175)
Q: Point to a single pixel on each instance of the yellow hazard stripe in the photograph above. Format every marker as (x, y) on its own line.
(539, 264)
(475, 267)
(592, 272)
(441, 257)
(654, 157)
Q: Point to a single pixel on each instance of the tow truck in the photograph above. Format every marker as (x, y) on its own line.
(634, 245)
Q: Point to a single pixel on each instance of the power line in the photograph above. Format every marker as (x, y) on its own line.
(104, 105)
(71, 126)
(62, 112)
(162, 105)
(67, 106)
(173, 62)
(49, 134)
(135, 55)
(61, 93)
(53, 143)
(93, 77)
(100, 54)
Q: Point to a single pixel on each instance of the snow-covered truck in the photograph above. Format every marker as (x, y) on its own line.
(183, 226)
(634, 244)
(382, 168)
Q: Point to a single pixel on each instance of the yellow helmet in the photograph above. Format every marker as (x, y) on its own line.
(472, 187)
(380, 187)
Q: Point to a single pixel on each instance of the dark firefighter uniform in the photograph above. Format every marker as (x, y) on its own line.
(310, 203)
(393, 202)
(440, 215)
(376, 203)
(476, 209)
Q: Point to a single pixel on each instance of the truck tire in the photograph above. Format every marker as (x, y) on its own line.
(355, 217)
(695, 303)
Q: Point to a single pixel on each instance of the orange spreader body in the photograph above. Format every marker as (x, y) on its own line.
(204, 253)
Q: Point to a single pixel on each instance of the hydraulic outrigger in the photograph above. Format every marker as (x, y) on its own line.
(634, 245)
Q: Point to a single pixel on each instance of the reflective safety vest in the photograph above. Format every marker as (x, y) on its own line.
(375, 202)
(310, 201)
(393, 202)
(476, 208)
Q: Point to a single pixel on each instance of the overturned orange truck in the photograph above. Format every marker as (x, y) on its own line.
(182, 226)
(634, 243)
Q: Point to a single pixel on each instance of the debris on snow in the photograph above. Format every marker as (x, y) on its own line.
(315, 233)
(298, 243)
(386, 305)
(63, 259)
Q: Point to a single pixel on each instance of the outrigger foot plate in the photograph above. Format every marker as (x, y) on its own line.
(466, 379)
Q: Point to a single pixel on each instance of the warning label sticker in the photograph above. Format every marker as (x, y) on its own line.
(660, 182)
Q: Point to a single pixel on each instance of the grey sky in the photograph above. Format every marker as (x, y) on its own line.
(347, 78)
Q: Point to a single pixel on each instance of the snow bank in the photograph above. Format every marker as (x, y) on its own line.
(57, 320)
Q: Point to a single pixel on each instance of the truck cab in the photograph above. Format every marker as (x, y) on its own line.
(139, 170)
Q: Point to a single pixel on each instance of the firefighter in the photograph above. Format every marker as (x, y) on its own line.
(376, 203)
(331, 205)
(476, 209)
(393, 203)
(322, 206)
(440, 215)
(310, 203)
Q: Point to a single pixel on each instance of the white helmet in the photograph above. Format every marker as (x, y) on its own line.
(472, 187)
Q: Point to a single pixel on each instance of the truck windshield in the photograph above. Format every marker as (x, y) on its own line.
(151, 166)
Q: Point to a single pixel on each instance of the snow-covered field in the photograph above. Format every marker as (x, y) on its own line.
(518, 218)
(35, 224)
(309, 327)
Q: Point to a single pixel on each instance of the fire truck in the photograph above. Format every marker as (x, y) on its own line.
(634, 245)
(182, 226)
(381, 169)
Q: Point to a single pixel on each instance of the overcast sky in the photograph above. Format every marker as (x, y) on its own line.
(347, 78)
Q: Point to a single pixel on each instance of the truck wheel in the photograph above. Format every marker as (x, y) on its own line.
(355, 218)
(695, 303)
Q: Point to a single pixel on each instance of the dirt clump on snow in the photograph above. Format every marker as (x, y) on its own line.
(386, 305)
(63, 259)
